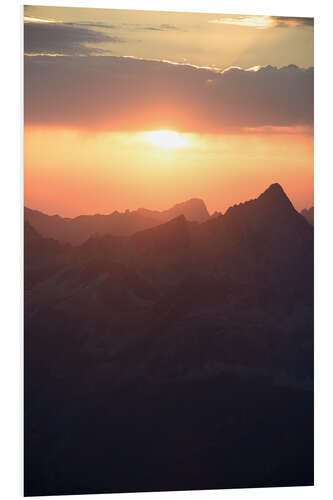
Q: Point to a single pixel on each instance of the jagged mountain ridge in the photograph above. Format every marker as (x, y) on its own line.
(267, 231)
(258, 253)
(78, 229)
(193, 210)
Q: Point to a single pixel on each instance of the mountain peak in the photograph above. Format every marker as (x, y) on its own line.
(275, 195)
(272, 202)
(274, 189)
(194, 202)
(193, 210)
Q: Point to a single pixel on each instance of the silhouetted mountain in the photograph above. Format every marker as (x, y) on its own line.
(30, 233)
(79, 229)
(308, 213)
(189, 344)
(42, 256)
(193, 210)
(259, 252)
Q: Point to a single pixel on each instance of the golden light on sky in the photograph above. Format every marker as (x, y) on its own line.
(166, 139)
(150, 109)
(71, 173)
(213, 40)
(260, 22)
(29, 19)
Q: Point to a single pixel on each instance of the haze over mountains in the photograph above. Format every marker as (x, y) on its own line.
(185, 348)
(78, 229)
(258, 254)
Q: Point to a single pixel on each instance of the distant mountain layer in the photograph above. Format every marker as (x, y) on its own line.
(79, 229)
(308, 213)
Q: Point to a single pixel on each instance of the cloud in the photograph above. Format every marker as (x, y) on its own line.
(264, 22)
(63, 39)
(93, 25)
(121, 93)
(283, 21)
(29, 19)
(139, 27)
(161, 27)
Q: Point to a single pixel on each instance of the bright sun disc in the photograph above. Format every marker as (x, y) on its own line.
(166, 139)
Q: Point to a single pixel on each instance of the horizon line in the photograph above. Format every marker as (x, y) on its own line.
(127, 210)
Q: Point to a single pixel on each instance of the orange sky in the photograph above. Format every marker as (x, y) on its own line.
(70, 173)
(88, 111)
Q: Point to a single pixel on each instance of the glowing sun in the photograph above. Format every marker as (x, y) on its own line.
(166, 139)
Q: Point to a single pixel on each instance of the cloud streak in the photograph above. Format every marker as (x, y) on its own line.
(124, 94)
(283, 21)
(63, 39)
(264, 22)
(161, 27)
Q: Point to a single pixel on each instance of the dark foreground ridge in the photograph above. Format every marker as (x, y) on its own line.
(176, 357)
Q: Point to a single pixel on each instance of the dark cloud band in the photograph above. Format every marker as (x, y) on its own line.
(63, 38)
(119, 93)
(284, 21)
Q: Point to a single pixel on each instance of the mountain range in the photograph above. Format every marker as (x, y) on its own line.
(79, 229)
(258, 251)
(156, 357)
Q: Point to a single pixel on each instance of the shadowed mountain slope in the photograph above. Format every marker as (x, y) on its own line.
(186, 349)
(257, 256)
(308, 213)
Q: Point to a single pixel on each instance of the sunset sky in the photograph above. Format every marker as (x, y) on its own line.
(128, 109)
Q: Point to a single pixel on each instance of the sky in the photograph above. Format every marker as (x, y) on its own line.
(128, 109)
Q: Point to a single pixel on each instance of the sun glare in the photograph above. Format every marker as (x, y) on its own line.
(259, 22)
(166, 139)
(28, 19)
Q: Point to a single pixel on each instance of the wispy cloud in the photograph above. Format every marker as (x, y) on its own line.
(161, 27)
(92, 25)
(264, 22)
(282, 21)
(29, 19)
(51, 38)
(39, 20)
